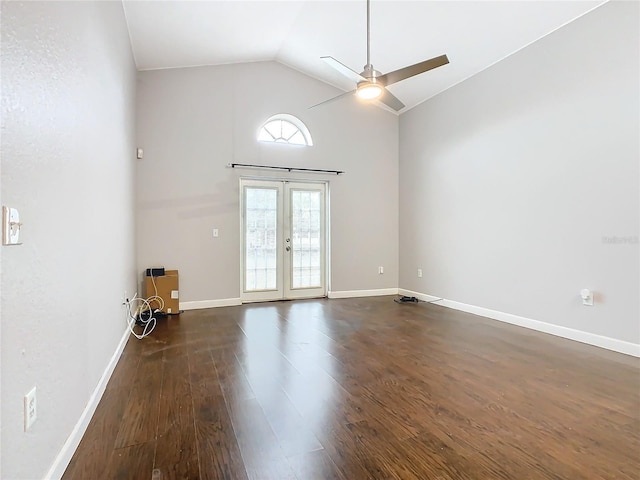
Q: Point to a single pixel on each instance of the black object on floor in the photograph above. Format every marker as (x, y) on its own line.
(144, 317)
(405, 299)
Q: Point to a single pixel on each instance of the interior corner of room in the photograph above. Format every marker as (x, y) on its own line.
(512, 194)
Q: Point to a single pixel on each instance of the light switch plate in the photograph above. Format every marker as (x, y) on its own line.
(30, 409)
(10, 226)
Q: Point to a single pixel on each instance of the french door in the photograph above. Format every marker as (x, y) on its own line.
(283, 240)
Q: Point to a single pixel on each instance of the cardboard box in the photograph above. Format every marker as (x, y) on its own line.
(167, 288)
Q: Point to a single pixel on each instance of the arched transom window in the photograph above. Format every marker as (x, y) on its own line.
(285, 128)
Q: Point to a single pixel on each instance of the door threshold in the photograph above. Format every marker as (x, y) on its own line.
(283, 300)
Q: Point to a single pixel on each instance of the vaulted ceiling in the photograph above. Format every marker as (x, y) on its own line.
(474, 35)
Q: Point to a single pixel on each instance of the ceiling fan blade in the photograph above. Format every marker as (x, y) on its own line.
(345, 94)
(344, 70)
(412, 70)
(390, 100)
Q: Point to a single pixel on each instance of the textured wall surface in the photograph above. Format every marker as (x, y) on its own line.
(508, 187)
(519, 187)
(68, 87)
(192, 122)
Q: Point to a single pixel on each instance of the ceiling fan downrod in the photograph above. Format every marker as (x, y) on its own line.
(368, 71)
(368, 36)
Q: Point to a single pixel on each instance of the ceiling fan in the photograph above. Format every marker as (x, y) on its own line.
(371, 84)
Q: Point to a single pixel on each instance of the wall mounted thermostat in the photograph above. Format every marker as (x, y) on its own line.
(10, 226)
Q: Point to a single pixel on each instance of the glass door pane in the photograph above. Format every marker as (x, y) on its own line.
(306, 230)
(261, 210)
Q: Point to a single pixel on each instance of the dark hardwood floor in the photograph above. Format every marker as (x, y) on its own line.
(361, 389)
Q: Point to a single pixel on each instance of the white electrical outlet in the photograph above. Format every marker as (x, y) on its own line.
(419, 273)
(380, 270)
(587, 297)
(215, 233)
(30, 409)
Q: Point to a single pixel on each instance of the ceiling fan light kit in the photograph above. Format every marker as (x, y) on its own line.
(371, 84)
(369, 90)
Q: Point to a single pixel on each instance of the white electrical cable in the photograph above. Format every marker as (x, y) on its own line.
(137, 306)
(142, 306)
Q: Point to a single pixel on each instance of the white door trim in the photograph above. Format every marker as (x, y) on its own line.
(283, 291)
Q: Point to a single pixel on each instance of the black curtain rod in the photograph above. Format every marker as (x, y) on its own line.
(289, 169)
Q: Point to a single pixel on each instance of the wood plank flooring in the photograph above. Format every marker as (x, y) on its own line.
(361, 389)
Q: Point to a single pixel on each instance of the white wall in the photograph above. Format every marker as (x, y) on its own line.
(511, 182)
(68, 85)
(192, 122)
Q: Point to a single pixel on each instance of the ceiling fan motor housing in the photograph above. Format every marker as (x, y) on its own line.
(370, 73)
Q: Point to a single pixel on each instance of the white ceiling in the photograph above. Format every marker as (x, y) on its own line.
(474, 35)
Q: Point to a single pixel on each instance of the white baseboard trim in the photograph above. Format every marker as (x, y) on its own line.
(223, 302)
(420, 296)
(363, 293)
(609, 343)
(61, 462)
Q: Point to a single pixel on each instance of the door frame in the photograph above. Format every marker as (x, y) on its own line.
(280, 293)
